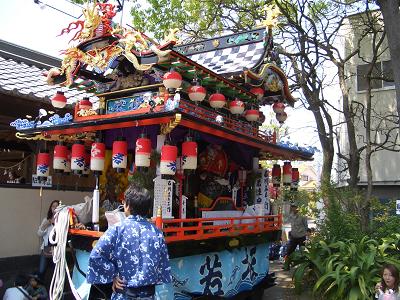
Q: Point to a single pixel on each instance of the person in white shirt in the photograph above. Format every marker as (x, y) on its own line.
(18, 292)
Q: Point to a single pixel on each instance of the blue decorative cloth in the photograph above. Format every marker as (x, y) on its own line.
(135, 251)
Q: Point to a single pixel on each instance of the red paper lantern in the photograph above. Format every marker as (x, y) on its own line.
(287, 173)
(169, 154)
(252, 115)
(281, 117)
(78, 158)
(197, 93)
(295, 179)
(172, 80)
(143, 152)
(85, 103)
(43, 164)
(97, 156)
(189, 155)
(120, 154)
(217, 100)
(276, 175)
(60, 158)
(278, 107)
(59, 100)
(259, 92)
(236, 107)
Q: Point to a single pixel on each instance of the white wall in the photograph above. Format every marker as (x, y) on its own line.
(21, 212)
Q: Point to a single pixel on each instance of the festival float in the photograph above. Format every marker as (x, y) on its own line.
(182, 120)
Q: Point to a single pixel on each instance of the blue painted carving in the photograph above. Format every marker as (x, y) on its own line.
(130, 103)
(21, 124)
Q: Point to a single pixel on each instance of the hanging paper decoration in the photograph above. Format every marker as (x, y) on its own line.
(43, 164)
(60, 158)
(287, 173)
(197, 93)
(252, 115)
(236, 107)
(78, 158)
(189, 155)
(143, 151)
(281, 117)
(86, 167)
(169, 154)
(59, 100)
(276, 175)
(120, 154)
(85, 103)
(217, 100)
(172, 80)
(97, 155)
(278, 107)
(295, 179)
(259, 92)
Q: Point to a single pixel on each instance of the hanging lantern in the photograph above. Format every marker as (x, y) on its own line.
(276, 175)
(259, 92)
(172, 80)
(287, 173)
(43, 165)
(295, 179)
(189, 154)
(60, 157)
(97, 155)
(143, 151)
(85, 104)
(242, 176)
(252, 115)
(217, 100)
(78, 158)
(120, 154)
(169, 154)
(59, 100)
(197, 93)
(278, 107)
(281, 117)
(86, 167)
(67, 169)
(236, 107)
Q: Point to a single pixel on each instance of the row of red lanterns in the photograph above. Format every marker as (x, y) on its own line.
(79, 161)
(60, 101)
(290, 175)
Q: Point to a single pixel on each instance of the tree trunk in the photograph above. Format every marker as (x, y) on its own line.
(391, 16)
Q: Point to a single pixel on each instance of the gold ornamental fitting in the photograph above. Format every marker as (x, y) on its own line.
(159, 211)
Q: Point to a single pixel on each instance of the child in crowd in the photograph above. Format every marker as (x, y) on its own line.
(36, 288)
(388, 288)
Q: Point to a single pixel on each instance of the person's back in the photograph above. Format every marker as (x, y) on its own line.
(17, 292)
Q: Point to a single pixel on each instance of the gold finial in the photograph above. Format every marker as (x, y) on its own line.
(159, 211)
(271, 19)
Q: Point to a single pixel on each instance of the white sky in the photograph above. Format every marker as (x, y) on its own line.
(34, 26)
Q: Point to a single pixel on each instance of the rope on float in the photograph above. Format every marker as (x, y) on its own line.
(58, 238)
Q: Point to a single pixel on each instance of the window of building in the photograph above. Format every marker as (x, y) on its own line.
(304, 177)
(382, 76)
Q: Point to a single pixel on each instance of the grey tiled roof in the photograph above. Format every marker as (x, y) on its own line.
(22, 74)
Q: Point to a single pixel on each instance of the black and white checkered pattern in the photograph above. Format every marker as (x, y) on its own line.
(231, 60)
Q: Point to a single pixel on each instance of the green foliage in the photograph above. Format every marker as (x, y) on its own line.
(344, 269)
(384, 222)
(306, 200)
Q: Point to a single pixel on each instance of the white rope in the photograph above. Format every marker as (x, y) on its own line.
(58, 237)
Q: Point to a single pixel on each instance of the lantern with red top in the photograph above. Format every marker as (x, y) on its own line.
(97, 156)
(252, 114)
(172, 80)
(169, 154)
(278, 107)
(287, 173)
(196, 92)
(236, 107)
(258, 92)
(189, 154)
(142, 152)
(120, 154)
(85, 104)
(281, 117)
(78, 157)
(276, 175)
(217, 100)
(43, 165)
(60, 157)
(295, 179)
(86, 167)
(59, 100)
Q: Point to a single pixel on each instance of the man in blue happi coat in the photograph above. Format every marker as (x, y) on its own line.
(133, 254)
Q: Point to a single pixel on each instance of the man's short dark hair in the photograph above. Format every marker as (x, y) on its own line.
(21, 280)
(138, 199)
